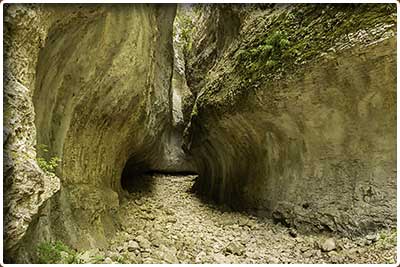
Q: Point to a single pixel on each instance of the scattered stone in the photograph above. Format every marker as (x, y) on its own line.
(143, 242)
(328, 245)
(273, 260)
(373, 237)
(108, 260)
(199, 237)
(292, 232)
(133, 245)
(201, 257)
(235, 248)
(220, 258)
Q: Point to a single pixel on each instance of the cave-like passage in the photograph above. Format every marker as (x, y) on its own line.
(138, 177)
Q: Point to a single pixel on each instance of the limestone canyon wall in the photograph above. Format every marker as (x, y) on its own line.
(288, 111)
(101, 86)
(295, 116)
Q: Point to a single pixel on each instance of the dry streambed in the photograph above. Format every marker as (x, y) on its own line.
(164, 223)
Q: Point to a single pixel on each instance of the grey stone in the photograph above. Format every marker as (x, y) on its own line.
(328, 245)
(373, 237)
(292, 232)
(133, 245)
(235, 248)
(143, 242)
(220, 258)
(108, 260)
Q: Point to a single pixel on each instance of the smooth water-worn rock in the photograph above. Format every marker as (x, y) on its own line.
(287, 112)
(328, 245)
(297, 120)
(99, 80)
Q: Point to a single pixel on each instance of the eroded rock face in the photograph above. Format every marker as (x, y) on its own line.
(26, 186)
(100, 86)
(173, 158)
(102, 90)
(313, 146)
(306, 135)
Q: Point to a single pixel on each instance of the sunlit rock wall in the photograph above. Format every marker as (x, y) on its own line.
(100, 81)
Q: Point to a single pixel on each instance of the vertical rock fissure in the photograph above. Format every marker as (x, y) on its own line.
(174, 158)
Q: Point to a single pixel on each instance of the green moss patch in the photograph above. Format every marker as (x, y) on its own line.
(276, 44)
(299, 35)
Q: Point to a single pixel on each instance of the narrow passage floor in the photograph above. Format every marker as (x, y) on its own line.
(164, 223)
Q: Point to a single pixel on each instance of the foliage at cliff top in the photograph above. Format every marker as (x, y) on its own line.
(277, 44)
(295, 37)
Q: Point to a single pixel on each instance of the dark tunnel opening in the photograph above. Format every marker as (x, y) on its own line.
(134, 177)
(138, 176)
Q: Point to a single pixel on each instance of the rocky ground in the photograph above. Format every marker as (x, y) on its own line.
(165, 223)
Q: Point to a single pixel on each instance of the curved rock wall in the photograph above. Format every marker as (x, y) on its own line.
(102, 90)
(101, 95)
(313, 147)
(287, 120)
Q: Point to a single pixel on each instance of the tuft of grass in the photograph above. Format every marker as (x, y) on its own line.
(55, 252)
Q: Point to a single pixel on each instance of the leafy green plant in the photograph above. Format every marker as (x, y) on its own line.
(49, 165)
(55, 252)
(268, 56)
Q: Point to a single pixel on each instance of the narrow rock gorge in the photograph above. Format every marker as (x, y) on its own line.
(193, 133)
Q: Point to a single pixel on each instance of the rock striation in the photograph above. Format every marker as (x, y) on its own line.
(295, 118)
(286, 111)
(98, 86)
